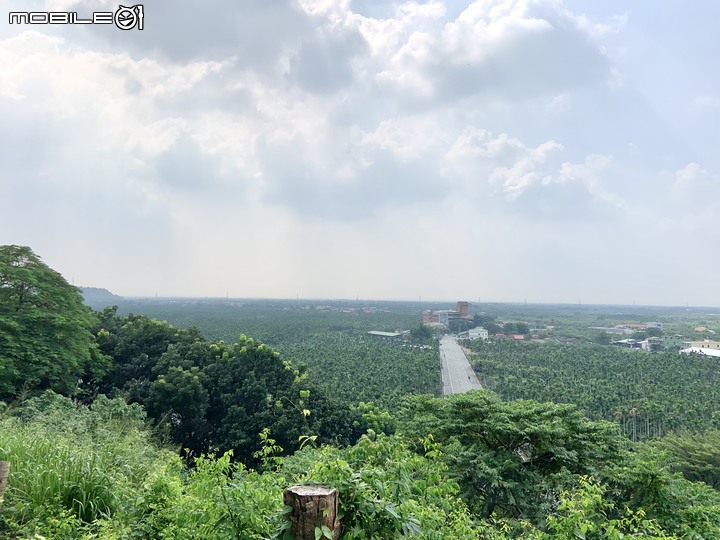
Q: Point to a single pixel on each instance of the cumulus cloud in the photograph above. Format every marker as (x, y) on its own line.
(698, 191)
(590, 173)
(691, 174)
(499, 50)
(342, 142)
(502, 164)
(326, 62)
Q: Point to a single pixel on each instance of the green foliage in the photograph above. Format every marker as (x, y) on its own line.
(541, 470)
(524, 468)
(489, 323)
(179, 400)
(360, 369)
(80, 472)
(269, 450)
(511, 458)
(421, 334)
(642, 483)
(331, 343)
(647, 394)
(250, 389)
(602, 338)
(45, 340)
(377, 419)
(136, 345)
(70, 465)
(92, 473)
(459, 325)
(515, 328)
(213, 396)
(278, 323)
(584, 514)
(160, 367)
(696, 456)
(653, 332)
(387, 491)
(221, 499)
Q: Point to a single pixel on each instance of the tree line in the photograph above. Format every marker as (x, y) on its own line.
(97, 406)
(205, 395)
(647, 394)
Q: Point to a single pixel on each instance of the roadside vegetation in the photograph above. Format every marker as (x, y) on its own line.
(648, 394)
(123, 426)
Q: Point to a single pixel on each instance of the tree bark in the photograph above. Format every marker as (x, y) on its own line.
(4, 472)
(313, 508)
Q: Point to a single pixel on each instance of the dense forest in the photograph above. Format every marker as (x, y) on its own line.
(330, 340)
(122, 425)
(649, 394)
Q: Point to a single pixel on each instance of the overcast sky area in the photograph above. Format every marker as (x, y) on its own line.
(539, 150)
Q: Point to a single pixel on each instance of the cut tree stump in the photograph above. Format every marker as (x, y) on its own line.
(4, 472)
(313, 507)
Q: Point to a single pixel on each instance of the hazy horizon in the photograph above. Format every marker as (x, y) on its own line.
(544, 151)
(449, 302)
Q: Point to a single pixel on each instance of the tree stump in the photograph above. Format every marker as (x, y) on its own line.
(314, 507)
(4, 472)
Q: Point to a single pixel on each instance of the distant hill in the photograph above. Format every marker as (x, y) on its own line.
(96, 297)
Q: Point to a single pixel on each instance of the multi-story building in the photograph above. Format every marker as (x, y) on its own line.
(444, 316)
(477, 333)
(704, 344)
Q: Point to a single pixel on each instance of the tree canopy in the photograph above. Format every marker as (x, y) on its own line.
(511, 457)
(45, 340)
(216, 396)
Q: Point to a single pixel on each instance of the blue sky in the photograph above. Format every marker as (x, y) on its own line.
(503, 150)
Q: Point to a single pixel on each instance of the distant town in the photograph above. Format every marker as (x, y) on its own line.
(651, 333)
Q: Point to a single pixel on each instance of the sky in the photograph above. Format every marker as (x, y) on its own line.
(494, 151)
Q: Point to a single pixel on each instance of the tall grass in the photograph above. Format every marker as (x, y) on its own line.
(94, 473)
(71, 465)
(66, 472)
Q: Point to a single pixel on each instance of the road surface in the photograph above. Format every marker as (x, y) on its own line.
(457, 374)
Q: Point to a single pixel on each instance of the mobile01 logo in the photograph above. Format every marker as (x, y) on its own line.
(124, 17)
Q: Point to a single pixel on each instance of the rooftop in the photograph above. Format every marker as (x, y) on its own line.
(698, 350)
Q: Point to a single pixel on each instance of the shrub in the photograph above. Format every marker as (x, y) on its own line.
(72, 465)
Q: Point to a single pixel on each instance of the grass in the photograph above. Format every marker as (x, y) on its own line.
(71, 466)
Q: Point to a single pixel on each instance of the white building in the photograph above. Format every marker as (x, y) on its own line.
(700, 350)
(704, 344)
(478, 333)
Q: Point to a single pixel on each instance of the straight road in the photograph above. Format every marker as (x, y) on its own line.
(457, 374)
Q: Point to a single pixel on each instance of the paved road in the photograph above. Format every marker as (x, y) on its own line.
(457, 374)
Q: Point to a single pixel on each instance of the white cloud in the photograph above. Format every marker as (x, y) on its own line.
(615, 25)
(591, 173)
(697, 191)
(689, 175)
(302, 147)
(559, 103)
(502, 49)
(506, 163)
(408, 137)
(334, 9)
